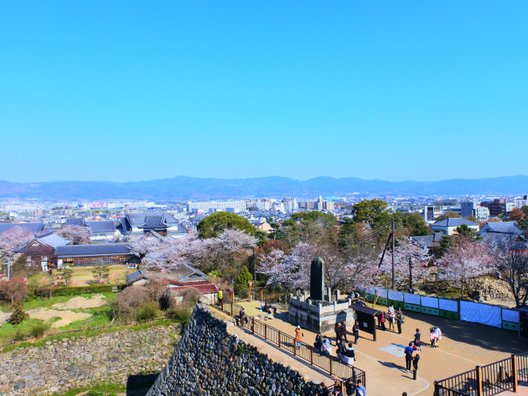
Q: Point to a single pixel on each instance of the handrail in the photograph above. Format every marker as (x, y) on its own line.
(304, 351)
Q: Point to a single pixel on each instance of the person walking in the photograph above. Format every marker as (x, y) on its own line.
(355, 331)
(408, 351)
(399, 320)
(298, 336)
(382, 321)
(360, 389)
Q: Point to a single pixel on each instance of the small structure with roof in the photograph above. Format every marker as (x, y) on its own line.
(96, 254)
(449, 226)
(40, 251)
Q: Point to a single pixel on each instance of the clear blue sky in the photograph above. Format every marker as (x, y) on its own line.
(139, 90)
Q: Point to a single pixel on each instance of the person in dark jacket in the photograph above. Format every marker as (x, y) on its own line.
(355, 331)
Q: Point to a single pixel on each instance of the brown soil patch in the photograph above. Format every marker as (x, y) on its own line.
(82, 302)
(66, 317)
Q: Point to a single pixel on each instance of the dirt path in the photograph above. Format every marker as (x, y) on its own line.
(66, 317)
(82, 302)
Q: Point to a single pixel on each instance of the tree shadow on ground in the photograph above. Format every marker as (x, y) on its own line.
(139, 385)
(476, 334)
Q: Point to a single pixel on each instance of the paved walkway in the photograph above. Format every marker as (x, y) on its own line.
(463, 347)
(309, 373)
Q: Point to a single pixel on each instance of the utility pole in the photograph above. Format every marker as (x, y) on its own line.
(410, 275)
(392, 256)
(255, 273)
(8, 269)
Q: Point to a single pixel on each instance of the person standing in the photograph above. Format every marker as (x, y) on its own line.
(391, 317)
(355, 331)
(408, 351)
(318, 344)
(298, 336)
(399, 320)
(343, 330)
(349, 387)
(337, 330)
(416, 359)
(360, 389)
(220, 296)
(338, 388)
(382, 321)
(418, 339)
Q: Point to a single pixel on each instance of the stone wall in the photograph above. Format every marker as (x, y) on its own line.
(76, 362)
(209, 361)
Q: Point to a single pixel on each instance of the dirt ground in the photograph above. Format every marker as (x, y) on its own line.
(66, 317)
(82, 302)
(463, 346)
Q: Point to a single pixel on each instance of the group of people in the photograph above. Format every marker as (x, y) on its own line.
(392, 317)
(349, 388)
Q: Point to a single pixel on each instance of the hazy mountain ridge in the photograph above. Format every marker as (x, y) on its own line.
(191, 188)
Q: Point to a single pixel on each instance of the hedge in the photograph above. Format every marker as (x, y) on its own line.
(74, 291)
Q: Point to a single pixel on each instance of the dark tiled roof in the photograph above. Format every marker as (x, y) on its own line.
(135, 276)
(454, 222)
(76, 221)
(139, 219)
(507, 227)
(35, 228)
(99, 227)
(124, 226)
(154, 223)
(103, 249)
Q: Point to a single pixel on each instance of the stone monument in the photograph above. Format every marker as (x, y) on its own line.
(318, 312)
(317, 279)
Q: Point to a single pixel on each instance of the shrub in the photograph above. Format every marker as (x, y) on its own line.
(180, 313)
(147, 311)
(73, 291)
(13, 290)
(38, 329)
(19, 335)
(18, 314)
(129, 301)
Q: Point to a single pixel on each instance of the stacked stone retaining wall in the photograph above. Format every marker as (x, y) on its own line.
(209, 361)
(77, 362)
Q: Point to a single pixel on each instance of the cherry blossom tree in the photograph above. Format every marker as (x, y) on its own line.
(511, 262)
(410, 262)
(78, 235)
(290, 271)
(13, 238)
(465, 260)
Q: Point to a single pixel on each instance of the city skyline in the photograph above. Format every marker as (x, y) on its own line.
(129, 92)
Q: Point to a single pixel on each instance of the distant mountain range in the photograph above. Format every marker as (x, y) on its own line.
(192, 188)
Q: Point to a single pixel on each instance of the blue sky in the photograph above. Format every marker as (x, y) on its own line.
(137, 90)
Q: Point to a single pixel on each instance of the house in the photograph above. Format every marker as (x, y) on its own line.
(160, 222)
(103, 231)
(96, 254)
(449, 226)
(506, 228)
(428, 242)
(40, 251)
(261, 224)
(182, 278)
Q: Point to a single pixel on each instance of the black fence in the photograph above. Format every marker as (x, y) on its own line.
(301, 350)
(488, 380)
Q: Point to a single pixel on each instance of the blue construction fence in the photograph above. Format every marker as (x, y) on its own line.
(468, 311)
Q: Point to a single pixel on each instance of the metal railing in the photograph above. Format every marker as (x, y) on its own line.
(488, 380)
(301, 350)
(497, 377)
(522, 367)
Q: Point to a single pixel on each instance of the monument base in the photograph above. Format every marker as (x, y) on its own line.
(320, 316)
